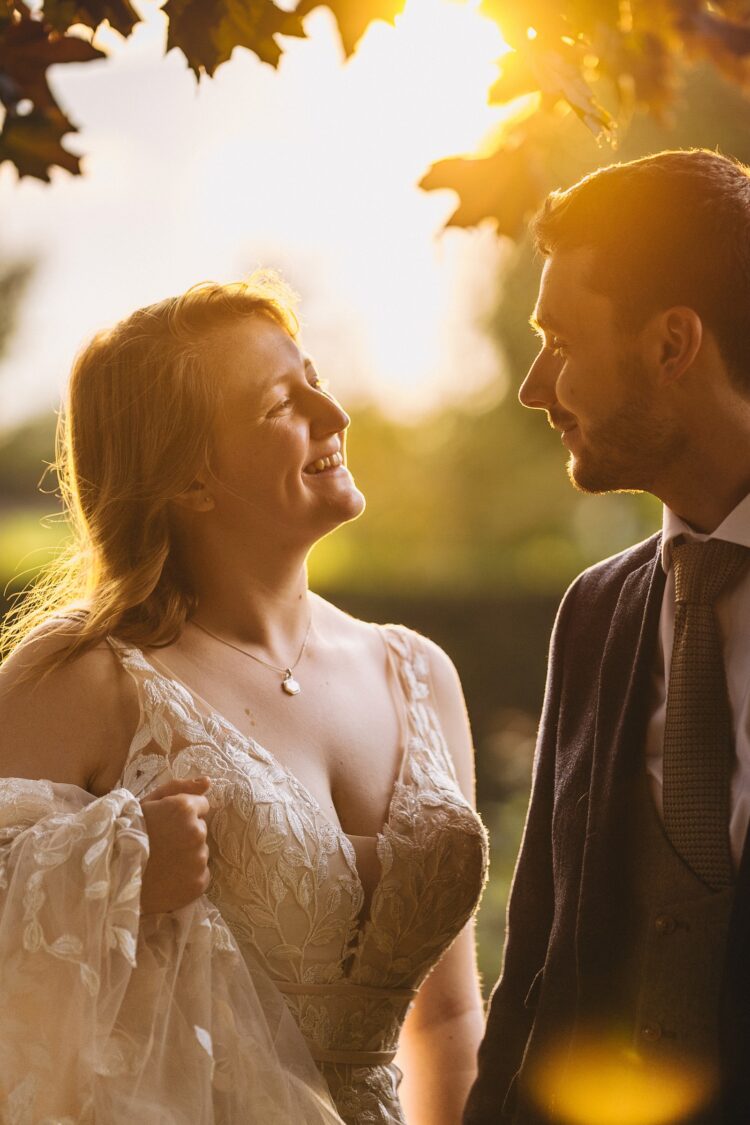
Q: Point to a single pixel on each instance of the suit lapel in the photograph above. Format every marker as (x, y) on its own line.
(621, 717)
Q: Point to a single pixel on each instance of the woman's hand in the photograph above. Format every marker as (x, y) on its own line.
(177, 869)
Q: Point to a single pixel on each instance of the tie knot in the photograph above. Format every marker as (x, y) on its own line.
(703, 570)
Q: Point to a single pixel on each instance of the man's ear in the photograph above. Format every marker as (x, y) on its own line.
(195, 498)
(675, 337)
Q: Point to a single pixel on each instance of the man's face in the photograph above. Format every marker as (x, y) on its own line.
(593, 381)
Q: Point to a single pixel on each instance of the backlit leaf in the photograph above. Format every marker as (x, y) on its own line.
(505, 186)
(62, 14)
(355, 16)
(33, 144)
(27, 48)
(208, 33)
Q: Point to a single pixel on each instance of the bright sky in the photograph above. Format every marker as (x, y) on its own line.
(311, 169)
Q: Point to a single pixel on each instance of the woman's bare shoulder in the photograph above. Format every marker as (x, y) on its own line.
(65, 724)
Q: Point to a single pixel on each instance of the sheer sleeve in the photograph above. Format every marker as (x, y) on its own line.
(110, 1017)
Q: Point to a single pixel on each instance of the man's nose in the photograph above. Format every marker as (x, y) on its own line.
(538, 388)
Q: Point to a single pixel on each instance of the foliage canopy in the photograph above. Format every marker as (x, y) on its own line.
(566, 56)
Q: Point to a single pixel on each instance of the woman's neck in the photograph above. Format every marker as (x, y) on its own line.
(251, 597)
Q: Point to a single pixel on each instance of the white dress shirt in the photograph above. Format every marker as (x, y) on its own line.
(733, 614)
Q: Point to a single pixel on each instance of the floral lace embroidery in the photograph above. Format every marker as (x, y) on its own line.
(286, 882)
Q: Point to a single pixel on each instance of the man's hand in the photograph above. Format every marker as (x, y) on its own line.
(177, 868)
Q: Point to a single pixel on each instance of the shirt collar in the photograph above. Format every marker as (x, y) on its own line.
(735, 529)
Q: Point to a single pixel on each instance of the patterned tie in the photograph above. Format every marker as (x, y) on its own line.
(698, 745)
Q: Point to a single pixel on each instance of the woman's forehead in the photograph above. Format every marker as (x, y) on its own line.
(256, 351)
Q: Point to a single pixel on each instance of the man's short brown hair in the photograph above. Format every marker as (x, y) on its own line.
(669, 229)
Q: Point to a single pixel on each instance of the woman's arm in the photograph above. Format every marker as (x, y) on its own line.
(441, 1034)
(74, 726)
(440, 1038)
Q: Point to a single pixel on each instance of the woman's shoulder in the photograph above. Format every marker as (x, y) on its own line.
(62, 720)
(411, 644)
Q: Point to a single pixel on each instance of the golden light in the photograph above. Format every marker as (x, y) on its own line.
(312, 168)
(603, 1083)
(338, 178)
(437, 64)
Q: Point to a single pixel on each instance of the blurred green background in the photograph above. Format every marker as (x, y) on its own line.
(472, 530)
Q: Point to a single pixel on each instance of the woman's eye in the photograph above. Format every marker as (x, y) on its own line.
(557, 347)
(319, 384)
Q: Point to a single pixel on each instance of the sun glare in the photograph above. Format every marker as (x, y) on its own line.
(436, 65)
(311, 168)
(603, 1083)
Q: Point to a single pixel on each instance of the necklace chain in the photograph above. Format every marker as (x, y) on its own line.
(288, 683)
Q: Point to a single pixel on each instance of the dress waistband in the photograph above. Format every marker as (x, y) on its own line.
(354, 1058)
(345, 987)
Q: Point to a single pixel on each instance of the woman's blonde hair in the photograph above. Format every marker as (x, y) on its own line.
(136, 430)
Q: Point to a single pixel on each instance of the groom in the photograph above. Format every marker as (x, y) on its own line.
(627, 962)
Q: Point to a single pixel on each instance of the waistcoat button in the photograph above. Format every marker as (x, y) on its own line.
(665, 924)
(651, 1032)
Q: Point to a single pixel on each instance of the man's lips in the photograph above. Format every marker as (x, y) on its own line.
(561, 424)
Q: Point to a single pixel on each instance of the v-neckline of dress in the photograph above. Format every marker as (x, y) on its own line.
(405, 741)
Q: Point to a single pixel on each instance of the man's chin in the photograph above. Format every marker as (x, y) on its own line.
(595, 479)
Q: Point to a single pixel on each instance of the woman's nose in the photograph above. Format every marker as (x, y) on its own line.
(538, 388)
(332, 418)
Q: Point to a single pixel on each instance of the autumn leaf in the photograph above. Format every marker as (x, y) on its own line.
(517, 77)
(32, 143)
(355, 16)
(641, 67)
(27, 48)
(119, 14)
(505, 186)
(207, 33)
(726, 42)
(34, 123)
(559, 75)
(546, 17)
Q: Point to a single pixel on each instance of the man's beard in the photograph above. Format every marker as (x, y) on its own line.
(628, 451)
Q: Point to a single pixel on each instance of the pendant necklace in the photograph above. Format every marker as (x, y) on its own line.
(288, 683)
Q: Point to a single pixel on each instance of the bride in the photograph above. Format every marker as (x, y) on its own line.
(238, 853)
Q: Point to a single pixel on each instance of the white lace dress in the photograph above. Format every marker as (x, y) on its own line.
(285, 878)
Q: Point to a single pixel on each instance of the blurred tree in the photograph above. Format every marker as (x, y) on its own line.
(567, 58)
(13, 281)
(25, 453)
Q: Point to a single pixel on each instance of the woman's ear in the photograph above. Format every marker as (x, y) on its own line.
(195, 498)
(677, 339)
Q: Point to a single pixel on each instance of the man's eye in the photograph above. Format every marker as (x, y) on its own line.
(280, 406)
(557, 347)
(319, 384)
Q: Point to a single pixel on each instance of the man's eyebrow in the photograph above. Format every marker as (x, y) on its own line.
(542, 323)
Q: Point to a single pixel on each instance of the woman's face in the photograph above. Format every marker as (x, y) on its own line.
(278, 458)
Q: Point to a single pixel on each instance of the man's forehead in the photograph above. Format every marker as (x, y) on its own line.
(565, 295)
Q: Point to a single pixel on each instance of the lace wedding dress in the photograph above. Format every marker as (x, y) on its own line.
(343, 928)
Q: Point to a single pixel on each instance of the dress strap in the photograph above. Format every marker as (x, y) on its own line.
(410, 657)
(148, 758)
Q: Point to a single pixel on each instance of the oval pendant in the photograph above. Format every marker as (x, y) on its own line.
(290, 685)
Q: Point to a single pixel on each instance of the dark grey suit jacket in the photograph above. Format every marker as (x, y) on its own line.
(566, 909)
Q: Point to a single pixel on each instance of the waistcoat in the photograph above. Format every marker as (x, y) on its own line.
(670, 978)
